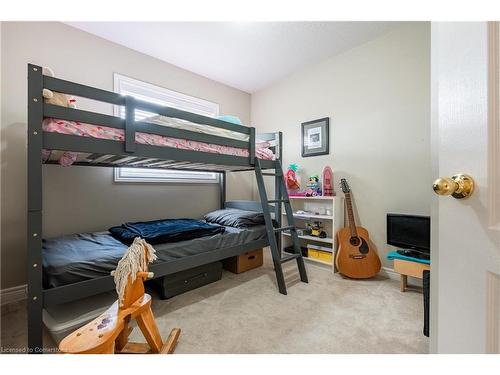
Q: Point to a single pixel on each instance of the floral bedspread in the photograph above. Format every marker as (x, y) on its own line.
(262, 150)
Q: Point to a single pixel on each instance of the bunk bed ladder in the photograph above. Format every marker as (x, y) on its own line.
(281, 196)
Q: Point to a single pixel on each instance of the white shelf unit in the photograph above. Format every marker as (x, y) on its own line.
(311, 238)
(317, 198)
(316, 211)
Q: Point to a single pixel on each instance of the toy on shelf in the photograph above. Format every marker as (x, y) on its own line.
(313, 187)
(292, 180)
(317, 229)
(327, 181)
(304, 231)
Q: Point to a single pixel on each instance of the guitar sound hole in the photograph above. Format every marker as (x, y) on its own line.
(354, 241)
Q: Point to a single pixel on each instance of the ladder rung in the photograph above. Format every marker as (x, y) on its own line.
(277, 200)
(291, 227)
(289, 257)
(267, 204)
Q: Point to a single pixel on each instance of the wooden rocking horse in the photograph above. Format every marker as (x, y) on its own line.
(108, 333)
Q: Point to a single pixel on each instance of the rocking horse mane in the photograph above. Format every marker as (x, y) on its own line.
(136, 259)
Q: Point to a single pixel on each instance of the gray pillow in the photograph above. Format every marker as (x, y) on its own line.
(233, 217)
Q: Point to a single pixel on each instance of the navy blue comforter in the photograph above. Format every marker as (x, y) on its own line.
(162, 231)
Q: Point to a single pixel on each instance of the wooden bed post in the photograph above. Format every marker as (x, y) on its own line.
(34, 227)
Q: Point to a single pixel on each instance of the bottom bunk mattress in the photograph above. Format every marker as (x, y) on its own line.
(78, 257)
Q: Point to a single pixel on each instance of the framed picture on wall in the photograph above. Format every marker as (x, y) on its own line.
(316, 137)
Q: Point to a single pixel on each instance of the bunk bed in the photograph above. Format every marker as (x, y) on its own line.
(46, 144)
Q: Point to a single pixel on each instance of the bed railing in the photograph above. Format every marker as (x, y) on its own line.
(130, 125)
(276, 140)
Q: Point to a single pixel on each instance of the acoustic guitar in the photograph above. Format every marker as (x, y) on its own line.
(356, 256)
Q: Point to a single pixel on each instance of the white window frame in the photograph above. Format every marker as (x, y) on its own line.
(124, 174)
(145, 91)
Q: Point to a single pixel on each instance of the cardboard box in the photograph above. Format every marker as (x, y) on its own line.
(244, 262)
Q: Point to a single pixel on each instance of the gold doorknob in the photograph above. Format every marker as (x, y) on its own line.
(458, 186)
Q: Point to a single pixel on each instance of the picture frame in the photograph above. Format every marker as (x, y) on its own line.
(315, 137)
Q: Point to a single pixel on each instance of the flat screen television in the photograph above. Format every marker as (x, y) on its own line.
(410, 233)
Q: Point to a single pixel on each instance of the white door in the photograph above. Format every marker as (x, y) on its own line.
(465, 275)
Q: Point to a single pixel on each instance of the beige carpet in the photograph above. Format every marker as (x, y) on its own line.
(246, 314)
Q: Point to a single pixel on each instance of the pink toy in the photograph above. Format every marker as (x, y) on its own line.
(292, 182)
(327, 181)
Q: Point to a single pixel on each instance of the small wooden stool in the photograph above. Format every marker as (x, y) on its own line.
(407, 268)
(108, 333)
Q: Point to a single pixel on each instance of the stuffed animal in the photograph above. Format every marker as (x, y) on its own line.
(56, 98)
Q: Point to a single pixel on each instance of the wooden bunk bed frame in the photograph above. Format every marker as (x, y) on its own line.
(137, 155)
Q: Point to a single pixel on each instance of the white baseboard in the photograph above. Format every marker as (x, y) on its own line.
(390, 273)
(14, 294)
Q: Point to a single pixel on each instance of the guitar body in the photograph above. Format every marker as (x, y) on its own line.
(356, 258)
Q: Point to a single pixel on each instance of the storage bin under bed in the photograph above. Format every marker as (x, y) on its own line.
(65, 318)
(184, 281)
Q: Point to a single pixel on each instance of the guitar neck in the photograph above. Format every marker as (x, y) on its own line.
(350, 215)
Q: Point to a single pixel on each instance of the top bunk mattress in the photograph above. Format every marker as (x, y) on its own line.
(53, 125)
(177, 123)
(79, 257)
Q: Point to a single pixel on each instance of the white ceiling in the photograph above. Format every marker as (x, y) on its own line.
(245, 55)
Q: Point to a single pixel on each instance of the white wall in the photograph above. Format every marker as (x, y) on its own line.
(85, 199)
(377, 96)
